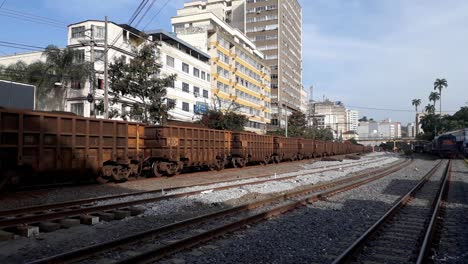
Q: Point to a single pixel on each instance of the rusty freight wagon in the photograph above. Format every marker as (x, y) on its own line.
(170, 149)
(319, 150)
(44, 147)
(306, 148)
(247, 147)
(285, 149)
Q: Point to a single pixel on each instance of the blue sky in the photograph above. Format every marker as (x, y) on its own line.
(375, 54)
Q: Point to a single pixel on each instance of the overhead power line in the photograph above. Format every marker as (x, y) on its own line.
(388, 109)
(146, 12)
(135, 14)
(30, 18)
(157, 13)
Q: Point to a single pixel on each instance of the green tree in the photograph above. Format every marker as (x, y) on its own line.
(139, 79)
(16, 72)
(224, 120)
(440, 84)
(416, 103)
(297, 123)
(434, 96)
(363, 119)
(430, 109)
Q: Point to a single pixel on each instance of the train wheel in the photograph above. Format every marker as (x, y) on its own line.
(5, 178)
(102, 179)
(155, 169)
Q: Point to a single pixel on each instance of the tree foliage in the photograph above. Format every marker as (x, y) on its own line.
(416, 103)
(433, 124)
(297, 124)
(139, 79)
(60, 66)
(224, 120)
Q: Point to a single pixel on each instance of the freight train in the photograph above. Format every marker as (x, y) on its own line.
(45, 147)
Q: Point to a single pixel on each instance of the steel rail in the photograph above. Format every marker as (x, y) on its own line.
(359, 243)
(75, 212)
(428, 237)
(344, 184)
(32, 209)
(28, 188)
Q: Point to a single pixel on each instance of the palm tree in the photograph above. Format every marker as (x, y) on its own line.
(416, 103)
(439, 84)
(430, 108)
(65, 66)
(434, 96)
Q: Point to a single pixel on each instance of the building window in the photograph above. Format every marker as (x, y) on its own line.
(196, 72)
(171, 103)
(186, 106)
(205, 93)
(169, 61)
(98, 31)
(203, 75)
(185, 67)
(208, 77)
(78, 32)
(99, 55)
(100, 83)
(75, 84)
(196, 91)
(78, 56)
(185, 87)
(77, 108)
(172, 84)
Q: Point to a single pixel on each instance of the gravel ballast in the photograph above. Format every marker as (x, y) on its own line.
(63, 194)
(313, 233)
(161, 213)
(453, 245)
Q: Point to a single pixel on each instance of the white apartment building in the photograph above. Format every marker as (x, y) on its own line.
(231, 12)
(191, 92)
(239, 73)
(411, 130)
(328, 114)
(275, 27)
(28, 58)
(385, 129)
(352, 117)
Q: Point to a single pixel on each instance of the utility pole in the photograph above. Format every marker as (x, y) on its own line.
(93, 83)
(286, 122)
(106, 99)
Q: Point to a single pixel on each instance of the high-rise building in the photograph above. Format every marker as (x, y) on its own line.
(352, 120)
(275, 26)
(240, 76)
(328, 114)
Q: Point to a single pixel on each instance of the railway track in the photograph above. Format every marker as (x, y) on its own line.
(11, 219)
(404, 233)
(160, 242)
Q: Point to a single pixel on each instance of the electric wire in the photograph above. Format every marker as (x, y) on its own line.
(135, 14)
(146, 12)
(157, 13)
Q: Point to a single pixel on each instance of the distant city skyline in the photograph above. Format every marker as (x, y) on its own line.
(368, 54)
